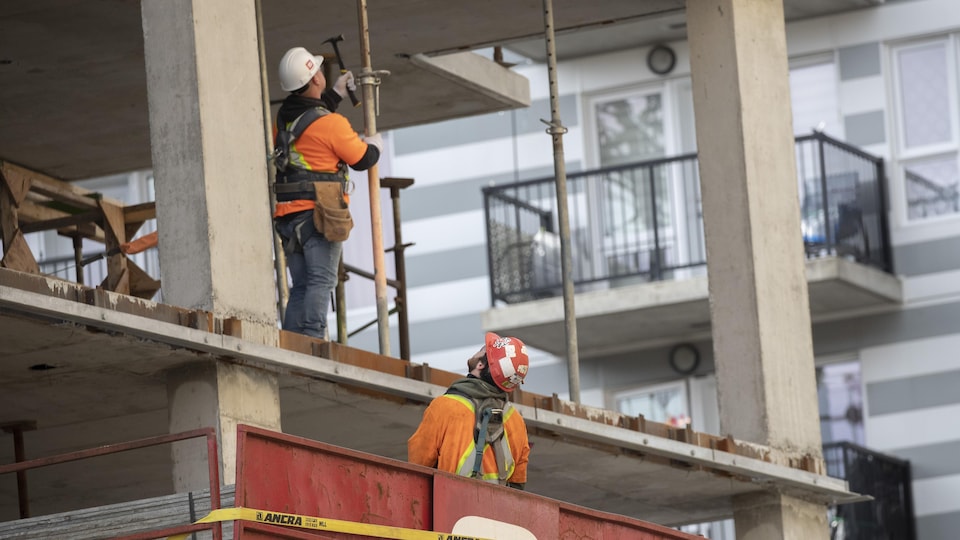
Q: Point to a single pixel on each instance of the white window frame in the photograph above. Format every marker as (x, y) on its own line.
(914, 230)
(672, 143)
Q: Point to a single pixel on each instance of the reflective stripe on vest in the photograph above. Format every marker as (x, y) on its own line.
(505, 464)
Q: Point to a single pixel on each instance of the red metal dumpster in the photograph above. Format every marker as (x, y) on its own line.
(307, 489)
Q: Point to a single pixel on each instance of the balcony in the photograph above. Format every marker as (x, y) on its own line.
(639, 253)
(886, 479)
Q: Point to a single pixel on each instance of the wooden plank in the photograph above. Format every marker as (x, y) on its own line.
(61, 222)
(9, 220)
(142, 285)
(18, 185)
(118, 278)
(140, 212)
(84, 230)
(51, 187)
(17, 255)
(31, 211)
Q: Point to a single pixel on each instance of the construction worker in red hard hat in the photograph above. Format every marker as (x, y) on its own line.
(472, 430)
(315, 145)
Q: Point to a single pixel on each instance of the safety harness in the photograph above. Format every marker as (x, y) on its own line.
(490, 414)
(294, 179)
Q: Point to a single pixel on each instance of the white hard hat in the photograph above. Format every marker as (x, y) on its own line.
(297, 67)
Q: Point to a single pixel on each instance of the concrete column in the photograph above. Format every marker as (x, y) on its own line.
(221, 395)
(209, 161)
(213, 212)
(758, 292)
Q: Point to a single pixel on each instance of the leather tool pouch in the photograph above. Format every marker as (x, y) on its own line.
(331, 216)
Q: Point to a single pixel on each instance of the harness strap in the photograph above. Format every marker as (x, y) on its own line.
(306, 185)
(481, 443)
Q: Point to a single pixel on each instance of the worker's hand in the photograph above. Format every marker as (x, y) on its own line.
(344, 83)
(375, 140)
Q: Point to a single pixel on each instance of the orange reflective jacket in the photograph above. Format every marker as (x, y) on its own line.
(326, 142)
(445, 439)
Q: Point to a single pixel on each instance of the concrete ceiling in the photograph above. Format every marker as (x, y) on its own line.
(73, 84)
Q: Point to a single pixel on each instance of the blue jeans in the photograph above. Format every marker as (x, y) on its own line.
(313, 262)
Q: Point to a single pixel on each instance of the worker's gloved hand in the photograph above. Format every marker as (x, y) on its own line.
(344, 83)
(375, 140)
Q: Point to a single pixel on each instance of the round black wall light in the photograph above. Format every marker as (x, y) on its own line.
(684, 358)
(661, 59)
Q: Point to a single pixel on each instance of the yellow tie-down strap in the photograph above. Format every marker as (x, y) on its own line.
(324, 524)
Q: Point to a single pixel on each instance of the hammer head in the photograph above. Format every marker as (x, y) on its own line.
(333, 39)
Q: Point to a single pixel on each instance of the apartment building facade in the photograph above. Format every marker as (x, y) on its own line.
(883, 79)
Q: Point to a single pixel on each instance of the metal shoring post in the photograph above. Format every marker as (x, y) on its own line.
(279, 258)
(369, 81)
(19, 455)
(556, 131)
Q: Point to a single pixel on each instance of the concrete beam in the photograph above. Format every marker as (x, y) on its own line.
(474, 72)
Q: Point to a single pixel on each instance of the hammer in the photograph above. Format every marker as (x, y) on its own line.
(343, 69)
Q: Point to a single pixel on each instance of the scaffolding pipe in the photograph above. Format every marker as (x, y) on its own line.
(369, 81)
(556, 131)
(279, 259)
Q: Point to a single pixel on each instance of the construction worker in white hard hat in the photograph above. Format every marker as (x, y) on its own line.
(314, 147)
(472, 430)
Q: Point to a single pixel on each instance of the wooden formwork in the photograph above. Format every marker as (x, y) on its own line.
(33, 202)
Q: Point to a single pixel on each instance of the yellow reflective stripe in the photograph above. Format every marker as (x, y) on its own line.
(323, 524)
(461, 399)
(297, 157)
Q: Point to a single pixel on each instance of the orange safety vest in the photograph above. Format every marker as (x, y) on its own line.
(445, 440)
(328, 141)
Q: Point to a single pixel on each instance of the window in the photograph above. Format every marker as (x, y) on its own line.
(665, 403)
(926, 115)
(839, 389)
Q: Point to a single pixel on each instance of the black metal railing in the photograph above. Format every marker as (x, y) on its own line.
(927, 197)
(643, 221)
(886, 479)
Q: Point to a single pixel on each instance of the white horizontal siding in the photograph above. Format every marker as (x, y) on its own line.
(919, 427)
(939, 495)
(911, 359)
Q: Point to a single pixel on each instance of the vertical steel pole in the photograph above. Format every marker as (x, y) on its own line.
(340, 297)
(556, 131)
(403, 320)
(78, 257)
(369, 80)
(279, 259)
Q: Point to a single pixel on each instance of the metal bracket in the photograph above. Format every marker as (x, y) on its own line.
(554, 129)
(371, 77)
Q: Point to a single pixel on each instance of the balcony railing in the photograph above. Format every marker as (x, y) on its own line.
(643, 221)
(886, 479)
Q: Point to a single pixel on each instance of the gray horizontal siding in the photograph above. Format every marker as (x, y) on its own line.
(885, 329)
(939, 526)
(427, 336)
(912, 393)
(431, 269)
(484, 127)
(928, 257)
(859, 61)
(461, 195)
(933, 460)
(864, 129)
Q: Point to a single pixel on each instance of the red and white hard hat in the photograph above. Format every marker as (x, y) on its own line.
(297, 67)
(508, 361)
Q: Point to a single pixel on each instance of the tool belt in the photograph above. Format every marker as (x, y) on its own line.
(331, 214)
